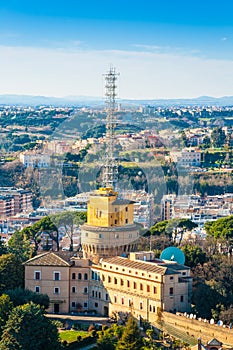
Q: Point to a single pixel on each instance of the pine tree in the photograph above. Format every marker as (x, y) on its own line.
(131, 338)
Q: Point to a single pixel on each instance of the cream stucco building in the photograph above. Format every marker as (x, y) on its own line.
(138, 284)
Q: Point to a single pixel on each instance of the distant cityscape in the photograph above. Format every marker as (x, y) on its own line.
(170, 165)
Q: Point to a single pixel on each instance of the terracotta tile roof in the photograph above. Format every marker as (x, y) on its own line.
(136, 264)
(47, 259)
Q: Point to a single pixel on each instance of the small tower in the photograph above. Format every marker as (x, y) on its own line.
(110, 229)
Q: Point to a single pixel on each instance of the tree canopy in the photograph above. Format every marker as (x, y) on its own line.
(168, 227)
(20, 296)
(27, 328)
(131, 338)
(193, 255)
(5, 308)
(221, 228)
(218, 137)
(11, 272)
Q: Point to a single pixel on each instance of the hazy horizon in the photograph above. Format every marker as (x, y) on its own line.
(162, 50)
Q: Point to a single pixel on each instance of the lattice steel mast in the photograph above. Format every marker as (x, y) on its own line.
(110, 166)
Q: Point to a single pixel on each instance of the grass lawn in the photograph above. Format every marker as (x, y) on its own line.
(71, 335)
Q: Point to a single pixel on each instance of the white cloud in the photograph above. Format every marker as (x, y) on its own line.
(148, 47)
(60, 72)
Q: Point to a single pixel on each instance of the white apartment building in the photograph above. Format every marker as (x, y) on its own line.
(35, 160)
(188, 157)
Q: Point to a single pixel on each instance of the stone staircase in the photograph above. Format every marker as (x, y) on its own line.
(177, 333)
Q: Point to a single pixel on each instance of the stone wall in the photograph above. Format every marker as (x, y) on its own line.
(199, 329)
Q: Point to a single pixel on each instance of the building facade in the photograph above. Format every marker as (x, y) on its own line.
(14, 200)
(138, 284)
(33, 160)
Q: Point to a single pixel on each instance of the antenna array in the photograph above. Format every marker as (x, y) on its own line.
(110, 165)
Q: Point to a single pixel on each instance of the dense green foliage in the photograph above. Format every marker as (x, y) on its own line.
(194, 255)
(20, 296)
(121, 337)
(6, 307)
(11, 272)
(218, 137)
(221, 228)
(20, 246)
(169, 227)
(131, 338)
(27, 328)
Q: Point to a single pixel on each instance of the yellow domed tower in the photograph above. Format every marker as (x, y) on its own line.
(110, 229)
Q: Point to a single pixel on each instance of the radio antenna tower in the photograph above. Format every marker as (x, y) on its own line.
(110, 165)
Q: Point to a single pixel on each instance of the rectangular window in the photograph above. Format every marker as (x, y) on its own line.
(106, 297)
(115, 280)
(115, 299)
(126, 208)
(73, 290)
(148, 288)
(73, 304)
(56, 290)
(122, 301)
(37, 275)
(155, 290)
(135, 285)
(128, 284)
(122, 282)
(141, 286)
(96, 304)
(171, 291)
(37, 289)
(56, 276)
(115, 222)
(73, 276)
(85, 304)
(85, 290)
(181, 298)
(126, 221)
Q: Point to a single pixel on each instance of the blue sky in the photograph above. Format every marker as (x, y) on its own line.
(162, 49)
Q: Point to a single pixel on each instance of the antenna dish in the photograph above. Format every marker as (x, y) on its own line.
(173, 254)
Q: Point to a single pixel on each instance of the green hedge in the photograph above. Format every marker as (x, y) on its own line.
(80, 344)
